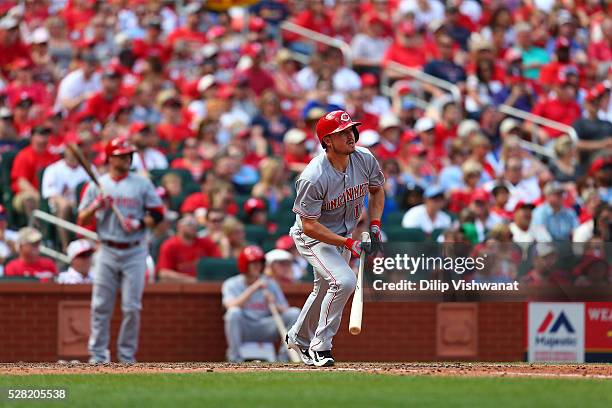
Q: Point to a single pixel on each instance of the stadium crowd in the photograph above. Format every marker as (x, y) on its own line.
(221, 106)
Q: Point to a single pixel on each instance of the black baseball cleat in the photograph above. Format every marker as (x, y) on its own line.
(302, 351)
(321, 358)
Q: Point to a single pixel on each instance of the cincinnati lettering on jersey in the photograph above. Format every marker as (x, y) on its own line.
(350, 194)
(126, 202)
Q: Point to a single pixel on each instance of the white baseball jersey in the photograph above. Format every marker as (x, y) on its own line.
(132, 195)
(335, 198)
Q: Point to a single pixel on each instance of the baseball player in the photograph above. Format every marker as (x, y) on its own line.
(330, 197)
(246, 298)
(122, 254)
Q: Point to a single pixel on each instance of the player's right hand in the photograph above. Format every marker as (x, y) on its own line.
(102, 202)
(354, 247)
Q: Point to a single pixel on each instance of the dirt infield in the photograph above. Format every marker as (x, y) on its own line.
(603, 371)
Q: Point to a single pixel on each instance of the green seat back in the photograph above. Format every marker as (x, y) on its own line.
(216, 269)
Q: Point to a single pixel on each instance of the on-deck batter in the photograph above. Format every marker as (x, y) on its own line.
(330, 197)
(121, 262)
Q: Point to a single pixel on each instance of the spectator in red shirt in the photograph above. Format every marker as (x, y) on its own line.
(26, 168)
(550, 72)
(191, 160)
(258, 79)
(190, 33)
(390, 130)
(151, 45)
(179, 255)
(102, 104)
(173, 128)
(211, 185)
(446, 129)
(561, 108)
(30, 263)
(296, 154)
(601, 51)
(407, 48)
(24, 117)
(23, 83)
(544, 271)
(315, 18)
(11, 46)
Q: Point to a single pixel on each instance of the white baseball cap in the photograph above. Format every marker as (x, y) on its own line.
(388, 120)
(466, 127)
(278, 255)
(368, 138)
(78, 247)
(40, 36)
(424, 124)
(206, 82)
(294, 136)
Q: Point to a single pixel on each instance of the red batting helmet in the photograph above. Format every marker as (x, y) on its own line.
(334, 122)
(118, 146)
(252, 253)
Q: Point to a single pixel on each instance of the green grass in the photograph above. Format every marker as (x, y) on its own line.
(312, 390)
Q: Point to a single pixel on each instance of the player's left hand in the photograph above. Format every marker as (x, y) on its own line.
(130, 225)
(376, 237)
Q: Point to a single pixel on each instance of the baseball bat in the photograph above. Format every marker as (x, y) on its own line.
(357, 305)
(282, 330)
(87, 167)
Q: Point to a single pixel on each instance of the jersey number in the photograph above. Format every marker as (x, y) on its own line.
(358, 211)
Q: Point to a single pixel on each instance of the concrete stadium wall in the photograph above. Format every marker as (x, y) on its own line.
(184, 323)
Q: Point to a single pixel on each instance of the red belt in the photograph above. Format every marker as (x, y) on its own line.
(121, 245)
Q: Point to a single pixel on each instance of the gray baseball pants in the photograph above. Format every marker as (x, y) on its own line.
(334, 282)
(117, 268)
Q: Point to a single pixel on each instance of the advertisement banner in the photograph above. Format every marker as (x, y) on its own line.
(598, 337)
(556, 332)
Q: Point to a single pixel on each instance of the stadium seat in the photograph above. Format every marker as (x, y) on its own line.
(256, 234)
(216, 269)
(399, 234)
(393, 219)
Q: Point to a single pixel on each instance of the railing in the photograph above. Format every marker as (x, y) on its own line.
(393, 90)
(426, 78)
(321, 38)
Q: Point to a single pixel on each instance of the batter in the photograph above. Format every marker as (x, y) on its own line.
(330, 197)
(121, 262)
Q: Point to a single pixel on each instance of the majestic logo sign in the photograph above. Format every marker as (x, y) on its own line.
(556, 332)
(561, 321)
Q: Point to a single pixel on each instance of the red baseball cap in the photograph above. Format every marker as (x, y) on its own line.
(21, 63)
(369, 79)
(215, 32)
(407, 27)
(562, 42)
(72, 137)
(138, 127)
(523, 204)
(257, 24)
(595, 92)
(416, 149)
(599, 164)
(480, 195)
(285, 242)
(252, 49)
(253, 204)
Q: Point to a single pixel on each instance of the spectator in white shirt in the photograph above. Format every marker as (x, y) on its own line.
(524, 233)
(520, 188)
(370, 44)
(146, 157)
(428, 216)
(8, 238)
(80, 253)
(344, 79)
(79, 85)
(375, 103)
(61, 179)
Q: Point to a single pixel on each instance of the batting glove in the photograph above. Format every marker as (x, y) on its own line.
(130, 225)
(376, 237)
(354, 247)
(102, 202)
